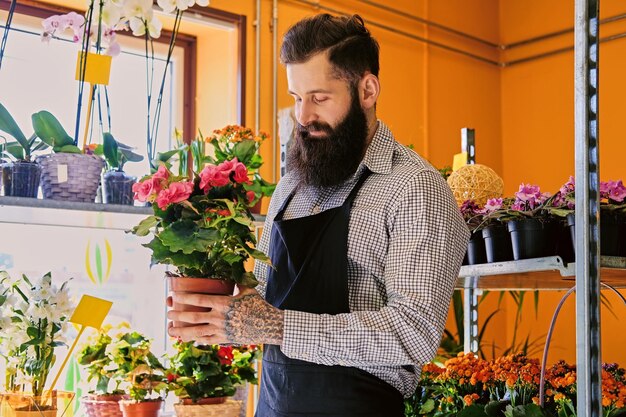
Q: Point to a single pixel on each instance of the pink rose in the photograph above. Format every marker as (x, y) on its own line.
(212, 176)
(177, 192)
(241, 174)
(228, 166)
(147, 190)
(250, 196)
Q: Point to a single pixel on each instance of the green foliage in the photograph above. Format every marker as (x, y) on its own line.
(49, 130)
(116, 153)
(209, 371)
(22, 148)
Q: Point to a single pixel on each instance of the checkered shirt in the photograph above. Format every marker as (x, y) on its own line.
(406, 242)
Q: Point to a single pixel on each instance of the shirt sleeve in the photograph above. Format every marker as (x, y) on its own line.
(427, 241)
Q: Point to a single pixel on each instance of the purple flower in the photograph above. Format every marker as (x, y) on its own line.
(492, 205)
(528, 198)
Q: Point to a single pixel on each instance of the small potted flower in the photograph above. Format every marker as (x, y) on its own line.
(239, 142)
(472, 214)
(497, 238)
(204, 377)
(20, 173)
(95, 359)
(33, 324)
(612, 218)
(143, 374)
(202, 226)
(528, 222)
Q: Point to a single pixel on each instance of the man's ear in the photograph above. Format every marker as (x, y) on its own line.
(369, 89)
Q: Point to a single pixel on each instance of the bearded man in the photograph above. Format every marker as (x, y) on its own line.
(365, 239)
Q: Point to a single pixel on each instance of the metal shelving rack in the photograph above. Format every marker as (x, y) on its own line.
(552, 273)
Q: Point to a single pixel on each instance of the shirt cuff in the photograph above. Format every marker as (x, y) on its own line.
(301, 338)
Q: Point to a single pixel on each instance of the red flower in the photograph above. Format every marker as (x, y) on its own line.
(225, 353)
(241, 174)
(171, 377)
(212, 176)
(250, 196)
(147, 190)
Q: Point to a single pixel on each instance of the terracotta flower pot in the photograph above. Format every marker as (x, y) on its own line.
(141, 409)
(197, 286)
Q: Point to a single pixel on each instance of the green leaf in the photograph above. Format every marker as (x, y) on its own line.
(474, 410)
(110, 150)
(8, 125)
(248, 279)
(144, 227)
(244, 151)
(67, 149)
(163, 255)
(427, 407)
(496, 408)
(49, 129)
(185, 235)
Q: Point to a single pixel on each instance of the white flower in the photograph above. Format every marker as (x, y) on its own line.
(202, 3)
(141, 9)
(111, 14)
(5, 322)
(38, 311)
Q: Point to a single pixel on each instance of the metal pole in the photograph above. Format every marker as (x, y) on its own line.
(586, 41)
(470, 316)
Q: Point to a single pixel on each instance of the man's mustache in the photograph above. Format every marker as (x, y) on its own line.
(314, 127)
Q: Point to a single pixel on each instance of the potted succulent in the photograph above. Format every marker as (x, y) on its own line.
(210, 374)
(20, 174)
(239, 142)
(142, 372)
(95, 359)
(33, 323)
(202, 226)
(117, 185)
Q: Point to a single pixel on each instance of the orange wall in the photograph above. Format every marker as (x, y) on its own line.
(538, 137)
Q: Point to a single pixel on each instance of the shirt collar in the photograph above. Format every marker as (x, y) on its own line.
(379, 154)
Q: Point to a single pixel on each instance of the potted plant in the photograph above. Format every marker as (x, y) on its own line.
(210, 374)
(20, 174)
(497, 238)
(95, 359)
(142, 372)
(68, 173)
(117, 185)
(202, 226)
(238, 142)
(472, 214)
(33, 324)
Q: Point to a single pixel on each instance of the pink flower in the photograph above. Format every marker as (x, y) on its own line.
(613, 190)
(250, 196)
(162, 173)
(177, 192)
(213, 176)
(492, 205)
(147, 190)
(241, 174)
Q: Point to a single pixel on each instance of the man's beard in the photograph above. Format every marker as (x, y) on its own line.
(332, 159)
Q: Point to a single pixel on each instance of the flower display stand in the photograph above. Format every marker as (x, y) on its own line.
(50, 404)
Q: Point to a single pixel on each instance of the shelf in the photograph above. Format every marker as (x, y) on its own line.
(43, 212)
(549, 273)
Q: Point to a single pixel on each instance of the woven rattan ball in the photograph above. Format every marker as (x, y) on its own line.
(475, 182)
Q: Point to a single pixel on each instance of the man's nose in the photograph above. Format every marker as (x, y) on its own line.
(306, 114)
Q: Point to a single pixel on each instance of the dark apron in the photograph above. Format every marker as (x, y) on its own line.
(311, 275)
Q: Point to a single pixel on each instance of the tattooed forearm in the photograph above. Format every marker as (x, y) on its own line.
(252, 320)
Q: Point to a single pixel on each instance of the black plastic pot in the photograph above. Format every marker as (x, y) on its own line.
(564, 242)
(612, 233)
(497, 243)
(118, 188)
(531, 238)
(476, 249)
(21, 179)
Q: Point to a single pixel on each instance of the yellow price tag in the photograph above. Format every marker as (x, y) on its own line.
(98, 68)
(91, 311)
(459, 160)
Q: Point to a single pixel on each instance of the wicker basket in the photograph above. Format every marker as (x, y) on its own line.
(230, 408)
(78, 180)
(102, 407)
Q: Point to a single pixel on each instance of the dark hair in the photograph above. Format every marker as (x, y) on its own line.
(351, 48)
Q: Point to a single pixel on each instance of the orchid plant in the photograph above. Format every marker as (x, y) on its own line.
(33, 322)
(99, 28)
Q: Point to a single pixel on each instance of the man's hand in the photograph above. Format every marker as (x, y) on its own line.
(242, 319)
